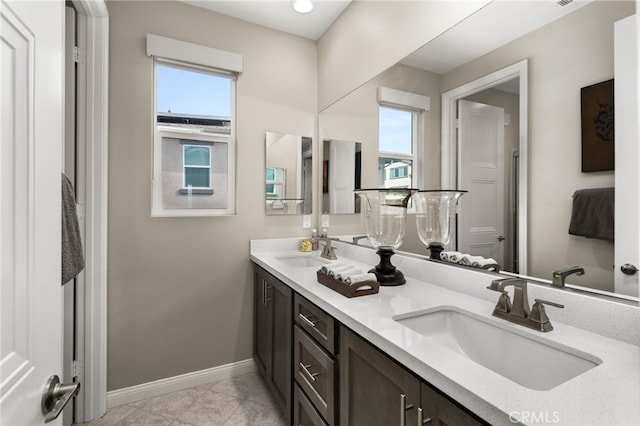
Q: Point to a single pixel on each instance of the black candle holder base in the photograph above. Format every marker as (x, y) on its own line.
(435, 249)
(386, 273)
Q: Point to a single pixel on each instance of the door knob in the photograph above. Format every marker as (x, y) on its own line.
(628, 269)
(500, 238)
(55, 396)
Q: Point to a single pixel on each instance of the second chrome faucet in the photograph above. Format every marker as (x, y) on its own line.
(519, 312)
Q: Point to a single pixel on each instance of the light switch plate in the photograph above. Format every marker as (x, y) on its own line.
(325, 220)
(306, 221)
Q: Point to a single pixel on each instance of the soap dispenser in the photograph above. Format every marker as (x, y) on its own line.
(314, 239)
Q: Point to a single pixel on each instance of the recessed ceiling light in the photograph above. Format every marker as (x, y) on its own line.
(302, 6)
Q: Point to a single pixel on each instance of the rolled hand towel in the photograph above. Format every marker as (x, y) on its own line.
(451, 256)
(333, 267)
(358, 278)
(326, 268)
(343, 275)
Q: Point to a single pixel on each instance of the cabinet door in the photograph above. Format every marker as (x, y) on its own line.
(442, 411)
(280, 300)
(374, 390)
(272, 335)
(261, 323)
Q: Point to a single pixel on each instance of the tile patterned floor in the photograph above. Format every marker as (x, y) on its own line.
(239, 401)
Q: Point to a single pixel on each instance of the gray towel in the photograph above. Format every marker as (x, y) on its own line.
(592, 215)
(72, 255)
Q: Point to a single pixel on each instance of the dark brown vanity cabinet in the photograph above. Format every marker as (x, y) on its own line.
(375, 390)
(272, 335)
(323, 374)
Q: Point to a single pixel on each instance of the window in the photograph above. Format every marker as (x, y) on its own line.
(197, 166)
(399, 172)
(194, 128)
(194, 140)
(397, 140)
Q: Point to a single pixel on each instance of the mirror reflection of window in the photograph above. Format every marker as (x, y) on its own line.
(396, 148)
(275, 182)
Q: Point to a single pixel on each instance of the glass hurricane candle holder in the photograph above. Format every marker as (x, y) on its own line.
(385, 212)
(435, 214)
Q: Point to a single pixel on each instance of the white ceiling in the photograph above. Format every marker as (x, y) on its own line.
(279, 15)
(491, 27)
(496, 24)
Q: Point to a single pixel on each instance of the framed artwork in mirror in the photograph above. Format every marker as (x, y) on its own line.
(597, 114)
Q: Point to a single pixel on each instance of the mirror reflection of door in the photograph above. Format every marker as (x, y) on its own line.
(488, 156)
(481, 141)
(342, 162)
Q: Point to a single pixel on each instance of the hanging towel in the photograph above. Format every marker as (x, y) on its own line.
(592, 215)
(72, 255)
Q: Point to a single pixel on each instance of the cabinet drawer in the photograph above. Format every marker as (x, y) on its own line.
(304, 414)
(316, 322)
(315, 372)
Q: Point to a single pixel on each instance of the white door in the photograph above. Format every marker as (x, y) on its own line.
(481, 172)
(30, 171)
(627, 208)
(342, 176)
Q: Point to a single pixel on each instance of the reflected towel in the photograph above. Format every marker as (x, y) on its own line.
(72, 254)
(451, 256)
(592, 213)
(468, 259)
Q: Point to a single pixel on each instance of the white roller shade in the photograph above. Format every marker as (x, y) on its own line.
(402, 99)
(177, 50)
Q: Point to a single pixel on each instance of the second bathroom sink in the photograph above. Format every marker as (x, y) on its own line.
(303, 261)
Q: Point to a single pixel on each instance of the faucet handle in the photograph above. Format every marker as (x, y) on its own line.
(539, 316)
(546, 302)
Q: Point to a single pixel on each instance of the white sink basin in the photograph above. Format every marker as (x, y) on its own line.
(530, 363)
(303, 261)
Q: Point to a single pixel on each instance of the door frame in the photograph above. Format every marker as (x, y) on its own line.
(93, 40)
(450, 163)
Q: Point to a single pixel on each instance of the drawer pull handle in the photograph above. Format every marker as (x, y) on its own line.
(311, 375)
(308, 320)
(420, 416)
(403, 409)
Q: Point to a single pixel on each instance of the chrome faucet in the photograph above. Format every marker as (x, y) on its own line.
(561, 275)
(327, 250)
(358, 238)
(520, 313)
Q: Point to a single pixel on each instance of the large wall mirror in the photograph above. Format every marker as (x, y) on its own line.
(288, 174)
(561, 50)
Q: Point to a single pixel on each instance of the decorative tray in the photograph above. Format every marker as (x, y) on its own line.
(362, 288)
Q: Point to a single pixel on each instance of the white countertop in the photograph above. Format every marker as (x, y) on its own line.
(608, 394)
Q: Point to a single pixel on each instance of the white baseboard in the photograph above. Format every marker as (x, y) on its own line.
(171, 384)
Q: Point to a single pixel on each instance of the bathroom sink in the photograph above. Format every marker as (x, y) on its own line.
(303, 261)
(530, 363)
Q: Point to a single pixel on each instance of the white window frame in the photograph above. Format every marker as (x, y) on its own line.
(417, 146)
(416, 104)
(186, 166)
(196, 134)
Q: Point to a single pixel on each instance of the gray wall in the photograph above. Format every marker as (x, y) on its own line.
(180, 289)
